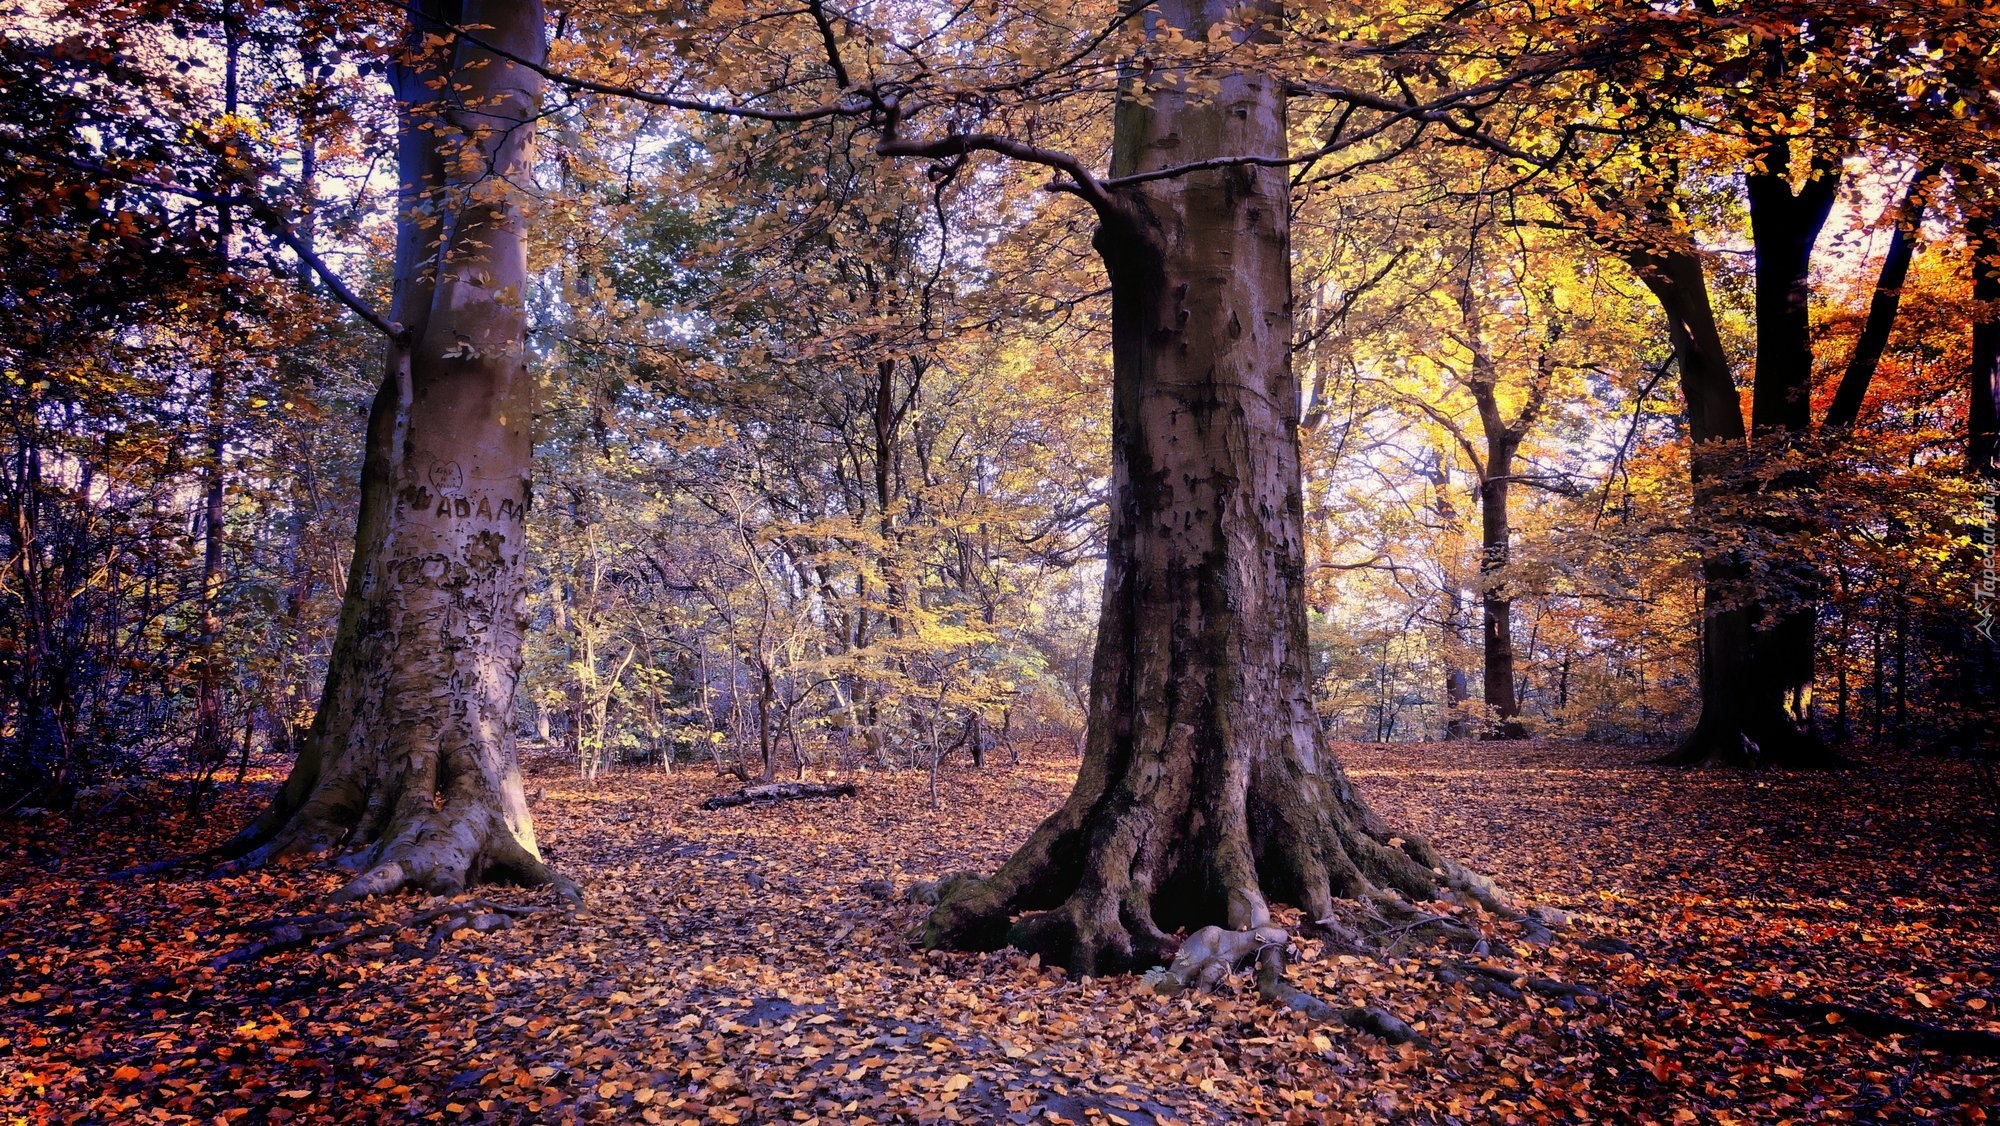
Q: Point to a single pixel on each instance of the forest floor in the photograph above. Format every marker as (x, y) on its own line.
(746, 966)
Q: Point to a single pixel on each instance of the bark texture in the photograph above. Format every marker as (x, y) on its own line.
(408, 773)
(1503, 437)
(1743, 717)
(1204, 793)
(1883, 306)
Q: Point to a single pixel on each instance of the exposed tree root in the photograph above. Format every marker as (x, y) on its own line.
(1513, 984)
(1273, 985)
(334, 931)
(437, 855)
(1210, 956)
(1100, 884)
(408, 844)
(1973, 1042)
(1771, 742)
(430, 869)
(780, 791)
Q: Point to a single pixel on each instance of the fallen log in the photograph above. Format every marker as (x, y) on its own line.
(780, 791)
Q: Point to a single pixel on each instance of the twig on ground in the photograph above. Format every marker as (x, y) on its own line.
(1870, 1022)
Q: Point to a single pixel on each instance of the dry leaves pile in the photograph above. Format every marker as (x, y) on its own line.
(748, 965)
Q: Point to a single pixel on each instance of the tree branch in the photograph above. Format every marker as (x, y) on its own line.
(268, 216)
(1874, 339)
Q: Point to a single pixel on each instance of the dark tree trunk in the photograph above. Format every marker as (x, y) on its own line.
(1982, 448)
(766, 693)
(1784, 227)
(209, 748)
(1876, 684)
(1205, 792)
(1496, 475)
(1496, 605)
(409, 770)
(1983, 379)
(1902, 671)
(1743, 718)
(1843, 724)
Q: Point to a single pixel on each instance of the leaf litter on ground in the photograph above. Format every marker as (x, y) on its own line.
(750, 965)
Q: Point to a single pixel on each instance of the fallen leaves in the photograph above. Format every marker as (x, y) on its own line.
(743, 966)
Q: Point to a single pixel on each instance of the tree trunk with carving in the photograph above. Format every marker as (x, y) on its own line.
(1205, 793)
(408, 774)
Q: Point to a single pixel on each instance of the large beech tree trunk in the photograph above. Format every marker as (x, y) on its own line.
(1204, 792)
(409, 771)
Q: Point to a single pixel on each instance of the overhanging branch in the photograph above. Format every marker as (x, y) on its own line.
(268, 216)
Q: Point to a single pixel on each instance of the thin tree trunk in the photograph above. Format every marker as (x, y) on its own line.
(1982, 445)
(1876, 686)
(1983, 377)
(209, 747)
(1456, 693)
(1843, 731)
(1496, 606)
(765, 691)
(1902, 671)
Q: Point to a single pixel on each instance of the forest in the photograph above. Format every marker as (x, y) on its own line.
(907, 561)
